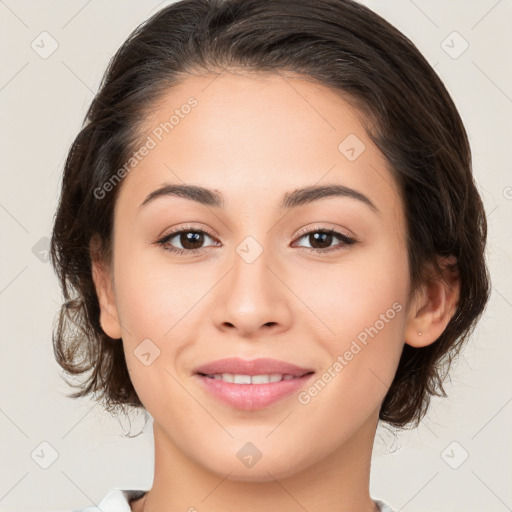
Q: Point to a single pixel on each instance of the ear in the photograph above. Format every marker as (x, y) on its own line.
(434, 305)
(102, 277)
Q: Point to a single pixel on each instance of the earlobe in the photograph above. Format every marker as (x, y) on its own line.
(109, 319)
(433, 306)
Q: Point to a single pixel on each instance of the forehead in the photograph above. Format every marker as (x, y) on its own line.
(257, 135)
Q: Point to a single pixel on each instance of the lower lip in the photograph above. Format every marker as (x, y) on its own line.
(251, 397)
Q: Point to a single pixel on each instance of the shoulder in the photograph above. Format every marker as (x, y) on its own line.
(383, 507)
(116, 500)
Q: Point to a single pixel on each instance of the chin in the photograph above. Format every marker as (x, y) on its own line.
(266, 469)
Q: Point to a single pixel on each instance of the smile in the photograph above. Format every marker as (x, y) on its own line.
(251, 392)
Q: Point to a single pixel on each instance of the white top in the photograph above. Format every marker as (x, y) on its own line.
(117, 500)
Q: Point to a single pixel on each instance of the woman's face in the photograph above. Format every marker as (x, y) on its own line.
(265, 280)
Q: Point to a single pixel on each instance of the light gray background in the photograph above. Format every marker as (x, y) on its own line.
(43, 102)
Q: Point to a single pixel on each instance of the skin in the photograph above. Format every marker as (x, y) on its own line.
(254, 138)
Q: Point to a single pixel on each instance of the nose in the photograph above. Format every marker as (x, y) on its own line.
(253, 298)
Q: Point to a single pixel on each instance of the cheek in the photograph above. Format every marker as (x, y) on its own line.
(152, 303)
(365, 288)
(360, 310)
(153, 297)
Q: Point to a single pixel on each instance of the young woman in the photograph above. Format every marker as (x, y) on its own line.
(268, 238)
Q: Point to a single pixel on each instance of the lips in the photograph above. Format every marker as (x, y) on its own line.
(261, 366)
(226, 380)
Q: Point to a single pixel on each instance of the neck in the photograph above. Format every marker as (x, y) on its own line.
(338, 482)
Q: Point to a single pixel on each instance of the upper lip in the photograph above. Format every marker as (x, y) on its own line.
(261, 366)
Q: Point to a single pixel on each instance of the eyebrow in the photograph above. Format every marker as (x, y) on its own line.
(290, 200)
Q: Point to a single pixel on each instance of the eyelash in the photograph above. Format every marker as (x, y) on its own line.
(346, 241)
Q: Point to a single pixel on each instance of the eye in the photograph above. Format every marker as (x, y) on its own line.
(321, 239)
(190, 240)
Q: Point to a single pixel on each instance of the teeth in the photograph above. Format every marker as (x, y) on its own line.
(241, 379)
(251, 379)
(261, 379)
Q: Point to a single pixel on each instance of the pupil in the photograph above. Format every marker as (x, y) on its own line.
(324, 237)
(194, 240)
(191, 240)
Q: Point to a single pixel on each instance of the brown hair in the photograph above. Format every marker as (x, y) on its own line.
(341, 44)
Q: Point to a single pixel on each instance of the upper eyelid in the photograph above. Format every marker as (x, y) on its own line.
(306, 231)
(322, 227)
(300, 233)
(186, 228)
